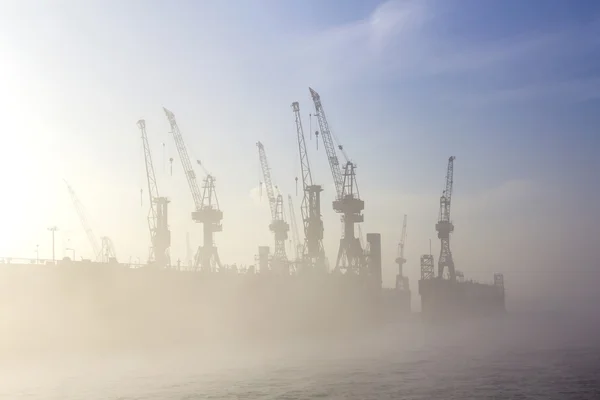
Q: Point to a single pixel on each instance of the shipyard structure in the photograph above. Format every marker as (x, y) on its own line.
(204, 298)
(89, 304)
(447, 295)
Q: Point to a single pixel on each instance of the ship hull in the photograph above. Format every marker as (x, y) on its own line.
(442, 299)
(92, 304)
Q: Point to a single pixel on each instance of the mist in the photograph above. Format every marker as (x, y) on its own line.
(158, 353)
(509, 88)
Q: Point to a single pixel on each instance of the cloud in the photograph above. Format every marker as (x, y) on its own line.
(347, 51)
(392, 19)
(400, 40)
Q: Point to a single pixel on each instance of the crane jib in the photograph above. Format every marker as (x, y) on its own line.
(334, 163)
(185, 160)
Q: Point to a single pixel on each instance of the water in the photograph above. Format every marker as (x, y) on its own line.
(519, 358)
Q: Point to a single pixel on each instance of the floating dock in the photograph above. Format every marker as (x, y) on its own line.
(443, 299)
(70, 301)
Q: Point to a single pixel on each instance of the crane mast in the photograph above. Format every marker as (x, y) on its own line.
(298, 247)
(334, 163)
(207, 210)
(445, 226)
(313, 251)
(401, 280)
(158, 223)
(351, 257)
(210, 216)
(84, 222)
(278, 225)
(185, 160)
(105, 252)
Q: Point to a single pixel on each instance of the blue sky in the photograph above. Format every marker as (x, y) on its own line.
(511, 88)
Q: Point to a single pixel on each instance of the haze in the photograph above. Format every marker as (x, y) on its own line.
(510, 88)
(406, 84)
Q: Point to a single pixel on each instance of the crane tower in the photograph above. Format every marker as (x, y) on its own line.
(351, 257)
(445, 227)
(278, 225)
(158, 216)
(401, 280)
(313, 252)
(206, 211)
(210, 216)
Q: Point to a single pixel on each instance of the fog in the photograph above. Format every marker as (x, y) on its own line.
(101, 307)
(76, 344)
(510, 88)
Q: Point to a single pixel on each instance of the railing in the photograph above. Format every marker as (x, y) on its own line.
(41, 261)
(12, 260)
(66, 260)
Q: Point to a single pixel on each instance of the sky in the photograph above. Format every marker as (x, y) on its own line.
(510, 88)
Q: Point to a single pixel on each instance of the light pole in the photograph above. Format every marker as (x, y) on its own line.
(53, 229)
(37, 253)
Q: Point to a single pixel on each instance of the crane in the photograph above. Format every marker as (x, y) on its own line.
(97, 250)
(351, 257)
(158, 223)
(206, 211)
(79, 209)
(298, 247)
(278, 225)
(108, 250)
(313, 251)
(444, 226)
(401, 280)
